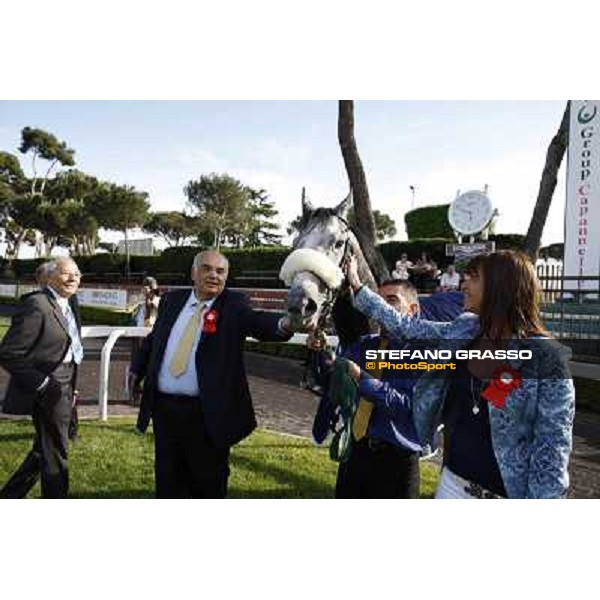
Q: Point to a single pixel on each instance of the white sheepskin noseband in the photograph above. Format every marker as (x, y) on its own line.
(307, 259)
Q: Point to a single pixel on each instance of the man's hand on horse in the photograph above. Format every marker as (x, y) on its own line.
(316, 340)
(297, 324)
(352, 273)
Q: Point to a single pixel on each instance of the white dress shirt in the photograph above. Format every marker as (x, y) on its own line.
(63, 304)
(187, 383)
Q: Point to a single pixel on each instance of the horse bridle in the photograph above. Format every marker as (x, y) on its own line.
(313, 365)
(332, 294)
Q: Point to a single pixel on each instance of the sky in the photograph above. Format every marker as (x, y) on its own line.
(438, 147)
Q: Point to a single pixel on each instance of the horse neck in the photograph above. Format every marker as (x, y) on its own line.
(350, 324)
(364, 270)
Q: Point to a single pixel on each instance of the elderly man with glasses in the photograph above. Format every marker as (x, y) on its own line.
(41, 351)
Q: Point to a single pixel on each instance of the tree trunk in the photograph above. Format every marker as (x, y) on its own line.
(554, 157)
(50, 242)
(127, 259)
(356, 173)
(45, 180)
(16, 245)
(12, 248)
(89, 244)
(39, 244)
(365, 224)
(34, 180)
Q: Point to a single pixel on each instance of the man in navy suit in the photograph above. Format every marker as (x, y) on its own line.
(194, 382)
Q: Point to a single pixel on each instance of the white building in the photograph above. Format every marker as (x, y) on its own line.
(141, 247)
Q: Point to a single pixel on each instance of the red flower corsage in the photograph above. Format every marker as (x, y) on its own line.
(505, 379)
(210, 322)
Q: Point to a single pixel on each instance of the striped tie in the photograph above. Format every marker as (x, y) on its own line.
(362, 416)
(181, 357)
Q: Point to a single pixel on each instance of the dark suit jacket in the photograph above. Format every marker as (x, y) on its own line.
(224, 394)
(34, 345)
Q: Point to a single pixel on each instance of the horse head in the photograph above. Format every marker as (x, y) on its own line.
(314, 270)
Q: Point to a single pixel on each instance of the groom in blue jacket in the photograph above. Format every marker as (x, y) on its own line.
(384, 460)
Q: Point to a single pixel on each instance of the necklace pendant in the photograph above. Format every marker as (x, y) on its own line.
(475, 409)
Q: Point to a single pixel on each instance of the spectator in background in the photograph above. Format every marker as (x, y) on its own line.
(450, 280)
(144, 315)
(424, 273)
(147, 311)
(402, 267)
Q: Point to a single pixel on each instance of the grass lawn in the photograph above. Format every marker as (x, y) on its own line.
(110, 460)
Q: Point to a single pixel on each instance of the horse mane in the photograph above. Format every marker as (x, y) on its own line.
(351, 324)
(373, 257)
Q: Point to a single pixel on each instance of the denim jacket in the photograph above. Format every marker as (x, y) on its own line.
(531, 433)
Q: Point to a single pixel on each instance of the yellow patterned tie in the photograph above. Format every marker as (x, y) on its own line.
(181, 357)
(362, 416)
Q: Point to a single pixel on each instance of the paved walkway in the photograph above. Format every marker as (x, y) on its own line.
(282, 406)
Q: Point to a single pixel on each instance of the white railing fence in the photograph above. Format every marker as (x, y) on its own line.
(112, 334)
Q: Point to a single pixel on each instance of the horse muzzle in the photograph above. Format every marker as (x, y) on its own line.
(303, 303)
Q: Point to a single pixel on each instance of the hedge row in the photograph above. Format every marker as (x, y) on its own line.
(436, 248)
(556, 251)
(91, 315)
(172, 266)
(247, 266)
(428, 222)
(280, 349)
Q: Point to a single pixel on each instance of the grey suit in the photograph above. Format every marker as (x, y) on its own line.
(34, 348)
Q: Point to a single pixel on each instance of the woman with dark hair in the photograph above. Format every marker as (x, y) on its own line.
(507, 423)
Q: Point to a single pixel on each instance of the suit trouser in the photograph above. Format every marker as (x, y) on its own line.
(49, 454)
(187, 463)
(378, 469)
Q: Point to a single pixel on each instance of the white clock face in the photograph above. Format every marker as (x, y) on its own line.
(470, 213)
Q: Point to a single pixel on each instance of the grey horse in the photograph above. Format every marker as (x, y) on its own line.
(314, 270)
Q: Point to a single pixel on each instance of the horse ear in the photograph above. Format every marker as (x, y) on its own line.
(307, 207)
(342, 209)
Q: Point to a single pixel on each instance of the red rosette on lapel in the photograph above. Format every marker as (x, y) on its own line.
(505, 379)
(210, 322)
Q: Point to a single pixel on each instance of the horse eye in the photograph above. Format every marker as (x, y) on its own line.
(339, 243)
